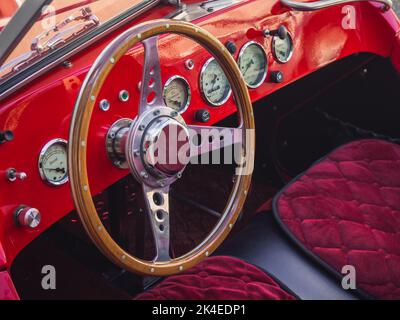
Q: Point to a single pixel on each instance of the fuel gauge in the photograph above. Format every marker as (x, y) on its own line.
(282, 49)
(53, 162)
(177, 93)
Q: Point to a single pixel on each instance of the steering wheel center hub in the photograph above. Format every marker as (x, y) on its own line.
(164, 147)
(157, 146)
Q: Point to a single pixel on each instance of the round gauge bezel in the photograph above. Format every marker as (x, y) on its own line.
(241, 52)
(188, 90)
(214, 104)
(41, 157)
(291, 48)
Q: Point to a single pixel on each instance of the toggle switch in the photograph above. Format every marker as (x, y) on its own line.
(12, 174)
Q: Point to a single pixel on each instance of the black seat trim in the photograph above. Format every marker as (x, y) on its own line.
(264, 244)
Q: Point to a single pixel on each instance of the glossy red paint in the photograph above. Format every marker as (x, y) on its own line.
(7, 8)
(7, 289)
(3, 259)
(42, 111)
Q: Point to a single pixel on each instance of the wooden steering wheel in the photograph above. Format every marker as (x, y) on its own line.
(153, 119)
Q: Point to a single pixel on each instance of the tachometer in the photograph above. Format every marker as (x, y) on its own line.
(177, 93)
(252, 63)
(214, 84)
(282, 49)
(53, 162)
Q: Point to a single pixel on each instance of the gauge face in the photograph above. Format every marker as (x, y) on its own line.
(53, 162)
(214, 84)
(282, 48)
(253, 64)
(177, 93)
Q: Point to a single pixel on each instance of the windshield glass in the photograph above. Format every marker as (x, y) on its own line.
(60, 23)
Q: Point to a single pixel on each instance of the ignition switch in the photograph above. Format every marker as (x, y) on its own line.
(202, 115)
(276, 76)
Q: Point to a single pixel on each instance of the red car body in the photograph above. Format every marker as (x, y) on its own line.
(41, 110)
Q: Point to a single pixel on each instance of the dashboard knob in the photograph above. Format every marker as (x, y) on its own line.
(231, 46)
(6, 136)
(27, 217)
(276, 76)
(202, 115)
(281, 32)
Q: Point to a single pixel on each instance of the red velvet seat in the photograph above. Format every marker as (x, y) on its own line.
(218, 278)
(345, 210)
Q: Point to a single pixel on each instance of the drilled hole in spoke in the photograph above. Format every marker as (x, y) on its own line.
(151, 82)
(158, 199)
(162, 227)
(160, 215)
(151, 97)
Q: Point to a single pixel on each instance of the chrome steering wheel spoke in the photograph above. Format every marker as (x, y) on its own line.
(157, 208)
(151, 85)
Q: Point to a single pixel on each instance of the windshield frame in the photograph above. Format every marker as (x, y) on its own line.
(58, 56)
(14, 31)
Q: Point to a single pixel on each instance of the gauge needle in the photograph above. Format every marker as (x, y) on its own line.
(213, 82)
(178, 104)
(212, 89)
(248, 66)
(62, 170)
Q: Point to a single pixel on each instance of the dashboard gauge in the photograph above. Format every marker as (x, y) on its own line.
(214, 84)
(53, 162)
(177, 93)
(252, 63)
(282, 49)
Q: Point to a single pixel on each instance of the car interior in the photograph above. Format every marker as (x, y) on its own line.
(315, 192)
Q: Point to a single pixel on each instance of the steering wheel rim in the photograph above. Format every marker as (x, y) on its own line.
(77, 147)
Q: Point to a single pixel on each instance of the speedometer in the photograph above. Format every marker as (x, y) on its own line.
(53, 162)
(282, 49)
(214, 84)
(252, 63)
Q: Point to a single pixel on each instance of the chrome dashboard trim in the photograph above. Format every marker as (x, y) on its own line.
(85, 41)
(322, 4)
(193, 11)
(241, 52)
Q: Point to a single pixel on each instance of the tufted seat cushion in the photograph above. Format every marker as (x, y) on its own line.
(345, 210)
(218, 278)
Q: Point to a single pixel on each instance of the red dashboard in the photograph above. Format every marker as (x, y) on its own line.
(41, 111)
